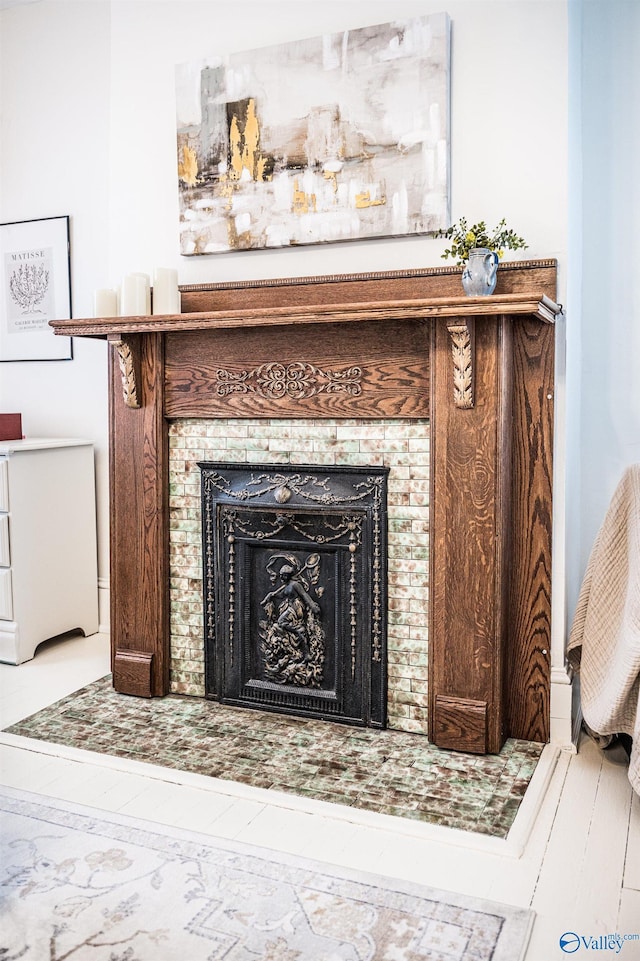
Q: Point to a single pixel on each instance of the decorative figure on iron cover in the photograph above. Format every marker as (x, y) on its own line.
(292, 638)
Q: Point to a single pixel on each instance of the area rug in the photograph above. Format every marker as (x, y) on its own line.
(388, 772)
(79, 884)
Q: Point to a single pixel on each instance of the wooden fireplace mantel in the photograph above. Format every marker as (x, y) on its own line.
(401, 344)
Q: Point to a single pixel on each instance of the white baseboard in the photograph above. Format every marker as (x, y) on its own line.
(104, 605)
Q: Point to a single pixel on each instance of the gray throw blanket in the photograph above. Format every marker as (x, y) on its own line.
(604, 643)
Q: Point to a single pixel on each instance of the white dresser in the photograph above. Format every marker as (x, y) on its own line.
(48, 557)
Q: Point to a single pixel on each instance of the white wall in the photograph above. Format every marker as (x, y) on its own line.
(54, 161)
(602, 386)
(508, 124)
(88, 129)
(609, 323)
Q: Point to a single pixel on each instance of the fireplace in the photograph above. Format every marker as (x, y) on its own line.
(295, 589)
(406, 345)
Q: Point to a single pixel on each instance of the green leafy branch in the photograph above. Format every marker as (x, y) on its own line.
(465, 238)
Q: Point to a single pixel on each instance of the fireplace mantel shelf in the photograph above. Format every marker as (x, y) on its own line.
(536, 305)
(400, 345)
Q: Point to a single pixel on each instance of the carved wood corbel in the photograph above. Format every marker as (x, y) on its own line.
(462, 333)
(128, 351)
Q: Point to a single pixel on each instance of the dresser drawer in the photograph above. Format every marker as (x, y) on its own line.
(6, 599)
(4, 484)
(5, 556)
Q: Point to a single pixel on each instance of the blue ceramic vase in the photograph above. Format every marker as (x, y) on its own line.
(480, 273)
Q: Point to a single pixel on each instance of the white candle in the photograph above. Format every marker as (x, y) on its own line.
(166, 296)
(105, 303)
(145, 294)
(135, 300)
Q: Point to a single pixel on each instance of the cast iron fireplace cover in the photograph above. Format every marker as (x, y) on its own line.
(295, 589)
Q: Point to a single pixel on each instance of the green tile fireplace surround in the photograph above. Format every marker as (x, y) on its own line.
(400, 445)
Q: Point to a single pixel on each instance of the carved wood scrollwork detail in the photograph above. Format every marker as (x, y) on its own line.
(128, 352)
(297, 380)
(462, 335)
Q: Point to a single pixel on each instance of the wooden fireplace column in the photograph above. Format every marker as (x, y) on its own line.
(139, 515)
(481, 369)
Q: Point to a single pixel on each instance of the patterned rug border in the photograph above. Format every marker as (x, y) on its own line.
(366, 887)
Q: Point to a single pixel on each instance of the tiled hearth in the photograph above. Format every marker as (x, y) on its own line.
(386, 772)
(402, 446)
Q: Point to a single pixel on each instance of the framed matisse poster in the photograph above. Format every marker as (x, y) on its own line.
(35, 287)
(343, 136)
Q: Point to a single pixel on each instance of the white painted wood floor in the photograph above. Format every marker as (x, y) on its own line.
(576, 862)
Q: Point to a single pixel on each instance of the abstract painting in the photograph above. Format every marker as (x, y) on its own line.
(344, 136)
